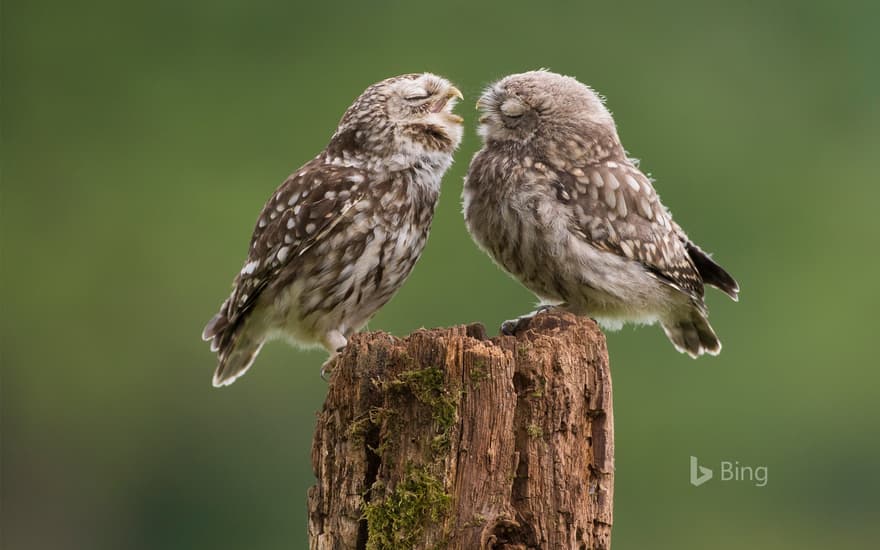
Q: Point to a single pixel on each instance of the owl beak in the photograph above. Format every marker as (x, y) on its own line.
(447, 102)
(451, 93)
(483, 106)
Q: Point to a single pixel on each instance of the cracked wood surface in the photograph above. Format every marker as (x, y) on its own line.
(448, 439)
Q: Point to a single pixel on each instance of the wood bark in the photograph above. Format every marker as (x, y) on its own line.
(448, 439)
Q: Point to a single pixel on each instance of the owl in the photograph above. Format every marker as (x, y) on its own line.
(339, 237)
(554, 199)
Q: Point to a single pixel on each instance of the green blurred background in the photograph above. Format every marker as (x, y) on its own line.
(140, 140)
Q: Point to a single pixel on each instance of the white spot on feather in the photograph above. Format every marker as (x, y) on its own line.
(250, 267)
(621, 205)
(645, 208)
(632, 183)
(610, 197)
(612, 181)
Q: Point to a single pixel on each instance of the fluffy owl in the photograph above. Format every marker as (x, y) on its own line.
(338, 238)
(553, 198)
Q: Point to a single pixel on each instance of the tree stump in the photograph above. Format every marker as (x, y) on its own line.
(448, 439)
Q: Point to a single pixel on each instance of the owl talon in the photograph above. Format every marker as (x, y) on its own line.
(326, 371)
(512, 326)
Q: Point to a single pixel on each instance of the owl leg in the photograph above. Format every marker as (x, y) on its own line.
(334, 342)
(512, 326)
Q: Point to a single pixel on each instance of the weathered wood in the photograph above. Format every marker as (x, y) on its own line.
(446, 439)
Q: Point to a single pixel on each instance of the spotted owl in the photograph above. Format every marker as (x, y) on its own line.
(339, 237)
(554, 199)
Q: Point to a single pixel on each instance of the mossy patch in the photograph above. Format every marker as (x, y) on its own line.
(429, 387)
(374, 417)
(478, 372)
(477, 521)
(358, 429)
(534, 431)
(540, 387)
(397, 520)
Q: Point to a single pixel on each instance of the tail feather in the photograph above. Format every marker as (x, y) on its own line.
(235, 362)
(213, 327)
(712, 273)
(692, 335)
(235, 345)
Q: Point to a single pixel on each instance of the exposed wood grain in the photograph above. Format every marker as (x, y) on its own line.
(447, 439)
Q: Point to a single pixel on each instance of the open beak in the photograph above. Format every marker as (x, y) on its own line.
(453, 94)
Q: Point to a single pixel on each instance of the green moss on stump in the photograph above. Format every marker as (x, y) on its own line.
(478, 372)
(396, 521)
(428, 385)
(374, 417)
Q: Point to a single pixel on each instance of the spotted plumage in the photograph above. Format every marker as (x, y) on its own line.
(554, 199)
(338, 238)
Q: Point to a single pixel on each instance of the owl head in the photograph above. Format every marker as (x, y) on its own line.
(402, 118)
(521, 107)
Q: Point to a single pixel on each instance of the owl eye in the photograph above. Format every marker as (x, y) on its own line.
(417, 96)
(512, 109)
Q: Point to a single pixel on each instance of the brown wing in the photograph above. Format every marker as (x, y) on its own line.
(302, 211)
(616, 209)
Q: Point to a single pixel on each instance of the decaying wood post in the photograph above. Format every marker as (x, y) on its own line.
(447, 439)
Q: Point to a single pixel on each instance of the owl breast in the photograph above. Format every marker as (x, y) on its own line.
(515, 226)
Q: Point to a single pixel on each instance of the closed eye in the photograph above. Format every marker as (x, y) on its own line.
(418, 97)
(512, 108)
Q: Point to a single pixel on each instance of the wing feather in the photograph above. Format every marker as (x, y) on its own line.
(616, 209)
(302, 212)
